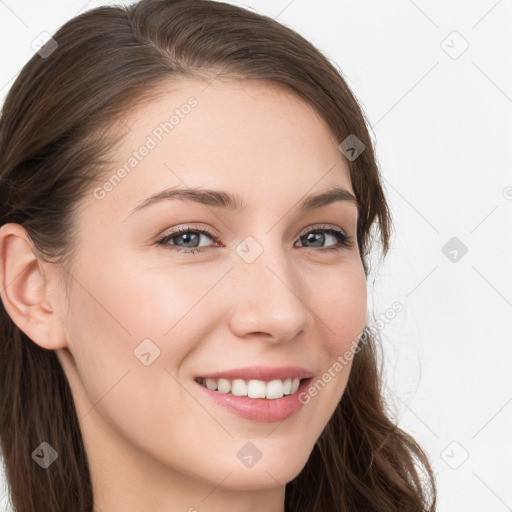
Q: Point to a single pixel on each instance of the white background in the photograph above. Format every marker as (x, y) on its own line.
(442, 125)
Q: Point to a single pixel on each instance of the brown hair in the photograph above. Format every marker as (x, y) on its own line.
(54, 147)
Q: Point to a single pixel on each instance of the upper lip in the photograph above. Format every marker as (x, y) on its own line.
(266, 373)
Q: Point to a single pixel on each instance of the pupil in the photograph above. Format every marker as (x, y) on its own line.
(186, 236)
(315, 235)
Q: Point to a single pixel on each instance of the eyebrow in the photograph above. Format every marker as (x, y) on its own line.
(227, 200)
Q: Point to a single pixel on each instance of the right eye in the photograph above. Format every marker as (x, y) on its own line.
(186, 235)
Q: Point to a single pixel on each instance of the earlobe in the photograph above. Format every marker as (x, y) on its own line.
(24, 289)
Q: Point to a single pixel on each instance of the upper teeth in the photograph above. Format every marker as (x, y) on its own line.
(253, 388)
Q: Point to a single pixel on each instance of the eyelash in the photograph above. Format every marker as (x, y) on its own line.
(344, 240)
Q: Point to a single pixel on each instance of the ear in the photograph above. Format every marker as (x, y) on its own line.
(25, 289)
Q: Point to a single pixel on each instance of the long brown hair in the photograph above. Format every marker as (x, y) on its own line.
(54, 145)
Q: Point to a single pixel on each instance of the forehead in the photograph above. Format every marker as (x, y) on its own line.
(252, 137)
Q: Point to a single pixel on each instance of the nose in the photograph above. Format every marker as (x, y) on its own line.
(267, 299)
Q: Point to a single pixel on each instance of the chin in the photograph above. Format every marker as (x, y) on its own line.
(264, 474)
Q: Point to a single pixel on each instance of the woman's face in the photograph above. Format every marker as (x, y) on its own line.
(146, 319)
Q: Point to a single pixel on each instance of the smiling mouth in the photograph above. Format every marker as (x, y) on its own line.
(253, 388)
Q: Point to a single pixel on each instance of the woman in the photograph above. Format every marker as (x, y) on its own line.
(170, 338)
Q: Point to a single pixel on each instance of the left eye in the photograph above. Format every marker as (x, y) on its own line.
(192, 236)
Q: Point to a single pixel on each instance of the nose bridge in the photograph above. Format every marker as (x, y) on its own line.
(268, 291)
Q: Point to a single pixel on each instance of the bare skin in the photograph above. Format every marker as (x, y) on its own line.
(155, 441)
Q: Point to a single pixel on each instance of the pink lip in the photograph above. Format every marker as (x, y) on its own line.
(266, 373)
(259, 409)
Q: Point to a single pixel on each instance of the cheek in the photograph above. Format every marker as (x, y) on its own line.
(116, 309)
(160, 304)
(340, 302)
(109, 321)
(158, 299)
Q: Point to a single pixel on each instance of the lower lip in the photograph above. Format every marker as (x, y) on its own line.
(259, 409)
